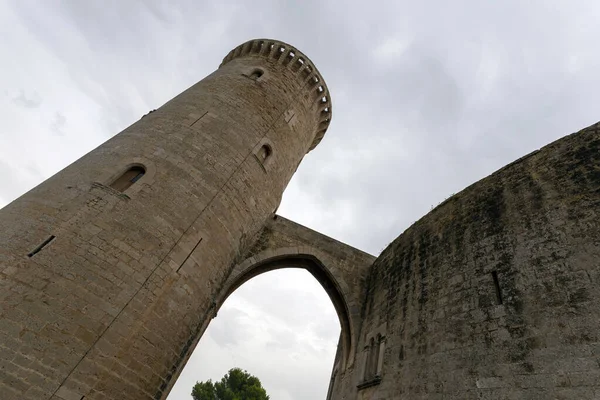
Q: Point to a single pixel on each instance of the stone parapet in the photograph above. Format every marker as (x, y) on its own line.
(292, 58)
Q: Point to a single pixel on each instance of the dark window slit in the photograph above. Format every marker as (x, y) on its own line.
(189, 255)
(497, 285)
(41, 246)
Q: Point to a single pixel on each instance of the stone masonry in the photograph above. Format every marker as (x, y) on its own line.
(112, 269)
(495, 293)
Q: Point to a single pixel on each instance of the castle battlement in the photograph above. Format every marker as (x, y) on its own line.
(292, 58)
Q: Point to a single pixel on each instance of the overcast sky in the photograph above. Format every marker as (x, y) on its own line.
(428, 97)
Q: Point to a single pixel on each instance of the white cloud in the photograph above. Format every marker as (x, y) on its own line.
(390, 48)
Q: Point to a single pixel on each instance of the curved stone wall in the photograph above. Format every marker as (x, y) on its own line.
(495, 294)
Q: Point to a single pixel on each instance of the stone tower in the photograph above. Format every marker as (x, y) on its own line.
(112, 268)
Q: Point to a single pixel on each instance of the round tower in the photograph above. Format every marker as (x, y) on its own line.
(109, 270)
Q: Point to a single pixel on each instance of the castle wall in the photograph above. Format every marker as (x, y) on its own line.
(339, 268)
(494, 294)
(108, 306)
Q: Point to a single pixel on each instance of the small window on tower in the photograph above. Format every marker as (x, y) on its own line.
(257, 73)
(264, 153)
(129, 177)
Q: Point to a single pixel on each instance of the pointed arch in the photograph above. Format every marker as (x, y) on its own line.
(315, 262)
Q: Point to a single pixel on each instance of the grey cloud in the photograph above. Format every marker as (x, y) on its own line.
(282, 339)
(58, 123)
(12, 182)
(326, 327)
(33, 101)
(293, 305)
(232, 330)
(436, 104)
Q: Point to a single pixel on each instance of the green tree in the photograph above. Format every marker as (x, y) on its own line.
(235, 385)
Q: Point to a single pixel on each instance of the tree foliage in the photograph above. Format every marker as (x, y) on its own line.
(235, 385)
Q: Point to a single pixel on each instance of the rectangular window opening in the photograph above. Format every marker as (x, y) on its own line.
(41, 246)
(497, 286)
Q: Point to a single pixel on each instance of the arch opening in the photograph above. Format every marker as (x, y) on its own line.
(249, 327)
(320, 273)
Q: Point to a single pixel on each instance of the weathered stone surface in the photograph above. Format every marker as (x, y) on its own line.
(104, 293)
(494, 294)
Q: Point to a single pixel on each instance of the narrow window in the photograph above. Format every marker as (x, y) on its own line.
(129, 177)
(190, 254)
(373, 362)
(369, 361)
(374, 358)
(257, 73)
(41, 246)
(264, 153)
(375, 369)
(497, 286)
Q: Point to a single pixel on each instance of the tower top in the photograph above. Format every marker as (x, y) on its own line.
(292, 58)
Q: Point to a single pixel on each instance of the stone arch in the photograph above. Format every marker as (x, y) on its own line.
(321, 268)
